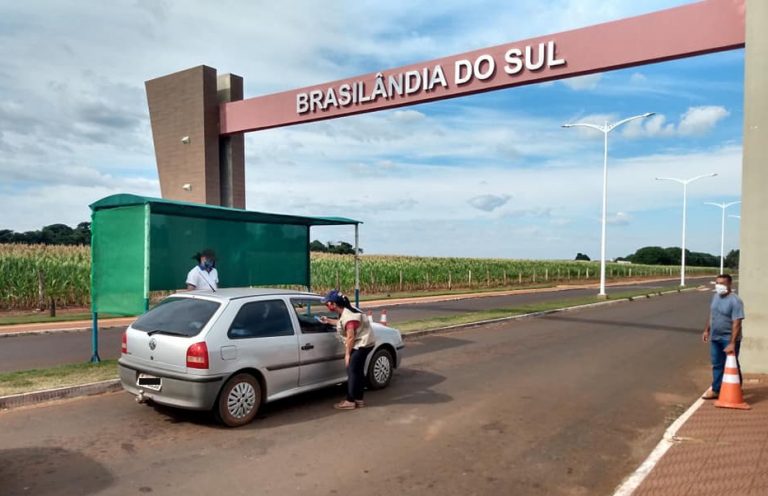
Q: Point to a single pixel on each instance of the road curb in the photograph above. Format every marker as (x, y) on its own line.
(32, 332)
(24, 399)
(669, 439)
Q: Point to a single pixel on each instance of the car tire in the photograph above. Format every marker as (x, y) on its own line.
(239, 400)
(380, 369)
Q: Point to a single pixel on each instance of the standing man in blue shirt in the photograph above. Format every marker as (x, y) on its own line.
(723, 331)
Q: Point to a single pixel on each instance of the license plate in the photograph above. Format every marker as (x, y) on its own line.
(150, 382)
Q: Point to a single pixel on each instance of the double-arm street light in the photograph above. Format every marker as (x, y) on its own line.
(605, 129)
(722, 206)
(685, 183)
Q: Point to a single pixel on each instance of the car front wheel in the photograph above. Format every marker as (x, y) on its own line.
(380, 369)
(239, 400)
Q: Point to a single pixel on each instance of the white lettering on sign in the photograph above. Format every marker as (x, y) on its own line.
(517, 60)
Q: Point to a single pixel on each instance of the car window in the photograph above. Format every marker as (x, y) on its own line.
(261, 319)
(307, 311)
(181, 316)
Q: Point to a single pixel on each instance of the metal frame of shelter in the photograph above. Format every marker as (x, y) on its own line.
(141, 244)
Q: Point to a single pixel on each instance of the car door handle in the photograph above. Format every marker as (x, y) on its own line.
(308, 346)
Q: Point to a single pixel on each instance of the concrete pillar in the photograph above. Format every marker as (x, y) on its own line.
(753, 271)
(184, 112)
(231, 148)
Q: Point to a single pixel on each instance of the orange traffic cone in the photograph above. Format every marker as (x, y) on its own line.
(730, 391)
(383, 320)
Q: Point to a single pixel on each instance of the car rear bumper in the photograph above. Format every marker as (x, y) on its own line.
(192, 393)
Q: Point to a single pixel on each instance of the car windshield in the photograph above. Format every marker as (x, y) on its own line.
(177, 317)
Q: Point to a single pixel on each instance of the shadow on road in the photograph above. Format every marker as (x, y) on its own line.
(753, 395)
(44, 471)
(408, 387)
(432, 343)
(623, 323)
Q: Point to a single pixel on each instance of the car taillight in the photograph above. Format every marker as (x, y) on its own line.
(124, 346)
(197, 356)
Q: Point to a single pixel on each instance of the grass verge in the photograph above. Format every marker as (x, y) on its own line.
(40, 318)
(26, 381)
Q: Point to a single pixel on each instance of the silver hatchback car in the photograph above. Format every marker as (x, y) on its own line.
(232, 350)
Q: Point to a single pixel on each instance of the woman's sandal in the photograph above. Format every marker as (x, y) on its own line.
(345, 405)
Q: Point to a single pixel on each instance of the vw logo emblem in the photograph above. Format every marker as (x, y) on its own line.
(152, 344)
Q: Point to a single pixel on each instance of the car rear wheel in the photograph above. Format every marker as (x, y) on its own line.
(239, 400)
(380, 369)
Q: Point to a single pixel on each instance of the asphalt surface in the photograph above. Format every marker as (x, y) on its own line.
(51, 349)
(568, 404)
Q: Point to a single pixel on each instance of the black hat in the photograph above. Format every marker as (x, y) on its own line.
(207, 253)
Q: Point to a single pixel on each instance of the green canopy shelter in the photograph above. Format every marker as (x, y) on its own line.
(141, 244)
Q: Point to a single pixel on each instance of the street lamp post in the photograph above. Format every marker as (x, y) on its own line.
(722, 206)
(685, 183)
(605, 129)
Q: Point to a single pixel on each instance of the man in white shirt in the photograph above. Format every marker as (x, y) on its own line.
(204, 275)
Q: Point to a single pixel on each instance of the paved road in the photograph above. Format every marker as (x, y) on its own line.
(46, 350)
(563, 405)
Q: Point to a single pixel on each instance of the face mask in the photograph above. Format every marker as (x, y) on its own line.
(208, 264)
(721, 289)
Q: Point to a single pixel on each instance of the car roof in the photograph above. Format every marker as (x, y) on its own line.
(235, 293)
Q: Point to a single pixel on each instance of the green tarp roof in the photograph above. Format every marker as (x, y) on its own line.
(159, 205)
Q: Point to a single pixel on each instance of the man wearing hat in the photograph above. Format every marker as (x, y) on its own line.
(204, 275)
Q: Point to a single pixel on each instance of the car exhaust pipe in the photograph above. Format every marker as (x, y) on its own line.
(140, 398)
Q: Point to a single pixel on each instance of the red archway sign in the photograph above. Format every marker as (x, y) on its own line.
(695, 29)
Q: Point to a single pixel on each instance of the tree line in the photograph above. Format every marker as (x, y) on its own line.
(55, 234)
(62, 234)
(340, 248)
(656, 255)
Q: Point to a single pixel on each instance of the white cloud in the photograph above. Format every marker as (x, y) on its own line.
(701, 120)
(619, 219)
(696, 121)
(74, 124)
(406, 116)
(581, 83)
(489, 203)
(638, 78)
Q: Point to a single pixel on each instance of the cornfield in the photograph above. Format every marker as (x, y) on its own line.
(33, 275)
(387, 274)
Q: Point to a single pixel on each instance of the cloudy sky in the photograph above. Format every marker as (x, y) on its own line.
(491, 175)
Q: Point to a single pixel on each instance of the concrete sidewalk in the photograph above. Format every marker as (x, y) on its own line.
(713, 451)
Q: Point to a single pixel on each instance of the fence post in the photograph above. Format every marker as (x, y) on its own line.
(487, 278)
(449, 280)
(520, 278)
(587, 276)
(469, 278)
(505, 278)
(534, 276)
(401, 281)
(546, 274)
(40, 290)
